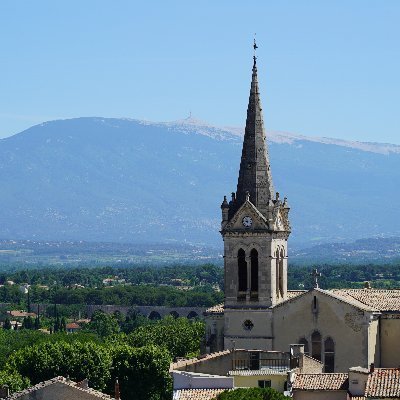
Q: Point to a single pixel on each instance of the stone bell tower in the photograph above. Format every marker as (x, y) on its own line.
(255, 229)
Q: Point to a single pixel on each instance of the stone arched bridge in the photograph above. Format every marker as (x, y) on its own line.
(151, 312)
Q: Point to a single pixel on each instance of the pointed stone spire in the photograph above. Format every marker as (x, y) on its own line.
(255, 174)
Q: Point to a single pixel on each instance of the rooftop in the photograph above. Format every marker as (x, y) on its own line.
(206, 357)
(64, 388)
(196, 394)
(325, 381)
(259, 372)
(384, 383)
(379, 299)
(385, 300)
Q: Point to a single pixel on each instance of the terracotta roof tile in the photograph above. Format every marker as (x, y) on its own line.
(334, 381)
(259, 372)
(17, 313)
(205, 357)
(31, 391)
(294, 293)
(197, 394)
(380, 299)
(218, 309)
(384, 383)
(72, 325)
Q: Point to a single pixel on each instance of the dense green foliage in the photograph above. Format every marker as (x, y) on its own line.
(142, 372)
(181, 336)
(12, 341)
(191, 275)
(13, 380)
(252, 394)
(346, 276)
(78, 360)
(101, 353)
(118, 295)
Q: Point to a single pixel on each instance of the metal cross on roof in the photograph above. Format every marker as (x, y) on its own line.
(315, 274)
(255, 47)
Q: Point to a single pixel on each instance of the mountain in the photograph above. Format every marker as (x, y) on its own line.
(361, 251)
(122, 180)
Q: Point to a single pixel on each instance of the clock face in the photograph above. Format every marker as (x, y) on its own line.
(247, 222)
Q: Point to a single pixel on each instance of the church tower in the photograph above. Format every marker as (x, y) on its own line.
(255, 229)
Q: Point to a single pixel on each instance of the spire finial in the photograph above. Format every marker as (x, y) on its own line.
(255, 47)
(315, 274)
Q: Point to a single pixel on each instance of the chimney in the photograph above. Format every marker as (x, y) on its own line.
(4, 392)
(116, 390)
(83, 384)
(372, 368)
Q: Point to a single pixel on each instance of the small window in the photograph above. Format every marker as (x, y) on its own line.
(264, 384)
(316, 345)
(248, 325)
(315, 305)
(304, 341)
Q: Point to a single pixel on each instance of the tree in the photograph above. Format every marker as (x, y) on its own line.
(142, 372)
(252, 394)
(14, 381)
(103, 324)
(7, 324)
(27, 323)
(78, 360)
(180, 336)
(63, 325)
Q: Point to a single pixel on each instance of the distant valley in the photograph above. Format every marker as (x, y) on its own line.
(128, 181)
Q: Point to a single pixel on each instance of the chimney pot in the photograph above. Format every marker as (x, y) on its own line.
(117, 393)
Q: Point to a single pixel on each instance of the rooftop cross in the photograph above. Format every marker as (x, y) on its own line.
(315, 274)
(255, 47)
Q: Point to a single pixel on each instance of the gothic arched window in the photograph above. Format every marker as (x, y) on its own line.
(316, 345)
(329, 350)
(305, 342)
(254, 271)
(282, 255)
(242, 271)
(277, 256)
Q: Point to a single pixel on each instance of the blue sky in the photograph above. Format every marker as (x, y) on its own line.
(326, 68)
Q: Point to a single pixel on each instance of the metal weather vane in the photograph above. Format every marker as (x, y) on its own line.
(255, 47)
(315, 274)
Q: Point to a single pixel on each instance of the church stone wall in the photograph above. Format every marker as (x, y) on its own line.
(345, 324)
(390, 340)
(258, 337)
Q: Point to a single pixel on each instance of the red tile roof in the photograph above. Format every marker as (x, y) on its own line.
(197, 394)
(219, 308)
(201, 359)
(73, 325)
(331, 381)
(379, 299)
(21, 314)
(79, 392)
(384, 383)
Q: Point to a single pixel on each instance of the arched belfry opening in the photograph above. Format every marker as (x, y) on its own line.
(281, 273)
(242, 273)
(254, 274)
(277, 277)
